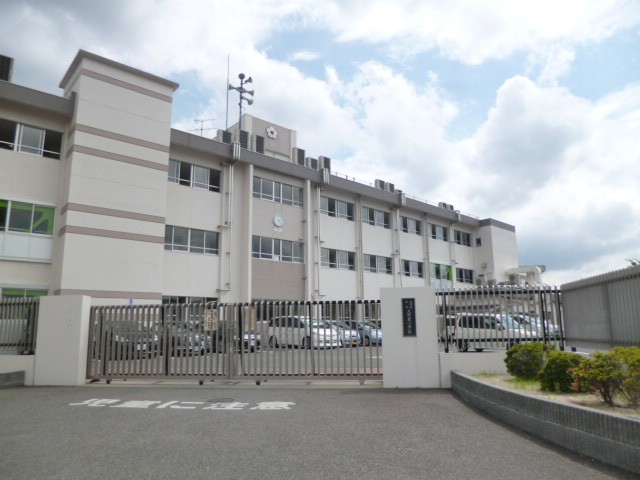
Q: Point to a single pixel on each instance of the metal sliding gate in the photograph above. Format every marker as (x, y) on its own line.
(233, 341)
(499, 316)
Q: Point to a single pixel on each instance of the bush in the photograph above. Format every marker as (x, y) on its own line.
(526, 360)
(629, 360)
(555, 376)
(610, 374)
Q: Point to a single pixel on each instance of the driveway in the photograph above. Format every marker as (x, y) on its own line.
(279, 430)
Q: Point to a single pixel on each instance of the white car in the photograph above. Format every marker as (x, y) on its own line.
(488, 330)
(303, 332)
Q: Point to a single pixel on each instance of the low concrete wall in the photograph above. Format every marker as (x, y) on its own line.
(471, 363)
(607, 438)
(19, 363)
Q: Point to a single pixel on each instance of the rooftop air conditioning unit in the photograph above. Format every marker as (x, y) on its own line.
(325, 162)
(298, 155)
(380, 184)
(390, 187)
(6, 68)
(446, 206)
(226, 136)
(312, 163)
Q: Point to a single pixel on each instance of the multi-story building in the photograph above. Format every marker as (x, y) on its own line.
(100, 196)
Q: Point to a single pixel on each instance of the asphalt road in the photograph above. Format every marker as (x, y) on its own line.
(279, 430)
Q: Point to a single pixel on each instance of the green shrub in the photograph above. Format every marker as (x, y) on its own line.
(610, 374)
(555, 376)
(525, 360)
(629, 360)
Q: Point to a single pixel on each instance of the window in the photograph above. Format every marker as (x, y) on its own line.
(438, 232)
(411, 268)
(277, 192)
(33, 140)
(278, 250)
(440, 272)
(336, 208)
(26, 218)
(166, 299)
(339, 259)
(377, 264)
(464, 275)
(375, 217)
(183, 239)
(195, 176)
(23, 292)
(462, 238)
(478, 242)
(409, 225)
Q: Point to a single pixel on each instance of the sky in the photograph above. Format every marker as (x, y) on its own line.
(527, 112)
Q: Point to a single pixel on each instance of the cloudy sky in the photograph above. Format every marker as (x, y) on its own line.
(523, 111)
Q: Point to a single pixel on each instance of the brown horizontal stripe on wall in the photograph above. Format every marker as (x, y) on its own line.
(128, 86)
(119, 158)
(109, 294)
(97, 232)
(121, 138)
(110, 212)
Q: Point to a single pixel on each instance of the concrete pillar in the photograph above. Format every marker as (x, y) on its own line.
(62, 340)
(410, 361)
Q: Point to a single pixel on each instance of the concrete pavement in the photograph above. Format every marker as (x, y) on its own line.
(279, 430)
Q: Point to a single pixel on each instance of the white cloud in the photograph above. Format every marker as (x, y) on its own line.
(303, 56)
(562, 169)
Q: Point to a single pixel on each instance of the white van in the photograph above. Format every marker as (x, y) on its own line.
(299, 331)
(487, 330)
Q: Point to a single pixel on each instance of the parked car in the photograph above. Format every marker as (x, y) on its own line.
(369, 331)
(250, 341)
(544, 329)
(487, 330)
(130, 339)
(189, 338)
(348, 335)
(303, 332)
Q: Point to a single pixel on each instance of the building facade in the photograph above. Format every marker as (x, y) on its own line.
(100, 196)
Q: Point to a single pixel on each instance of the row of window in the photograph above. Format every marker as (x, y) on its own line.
(278, 250)
(166, 299)
(24, 138)
(183, 239)
(277, 192)
(195, 176)
(22, 292)
(341, 209)
(26, 217)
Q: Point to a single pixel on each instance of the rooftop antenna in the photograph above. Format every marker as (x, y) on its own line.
(242, 91)
(226, 124)
(201, 129)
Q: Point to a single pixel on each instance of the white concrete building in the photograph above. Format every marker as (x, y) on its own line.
(100, 196)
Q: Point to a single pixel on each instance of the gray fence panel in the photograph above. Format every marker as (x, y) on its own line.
(603, 311)
(18, 325)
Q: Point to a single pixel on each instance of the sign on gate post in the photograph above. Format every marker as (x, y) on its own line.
(408, 317)
(211, 320)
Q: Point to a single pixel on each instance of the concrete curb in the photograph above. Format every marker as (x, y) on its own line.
(12, 379)
(604, 437)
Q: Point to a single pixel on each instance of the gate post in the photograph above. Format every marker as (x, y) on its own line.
(62, 340)
(410, 345)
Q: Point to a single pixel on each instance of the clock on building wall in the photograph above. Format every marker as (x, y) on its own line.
(278, 221)
(272, 132)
